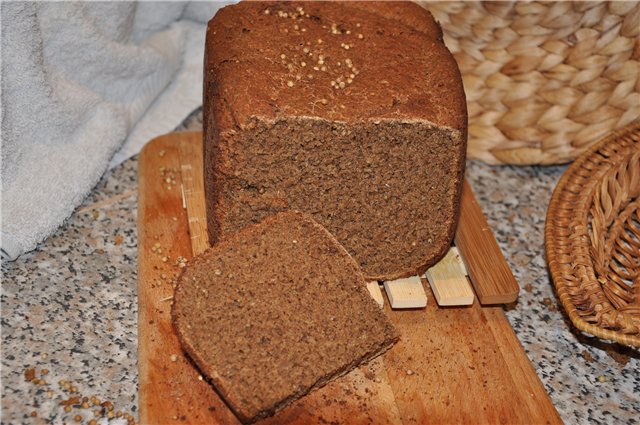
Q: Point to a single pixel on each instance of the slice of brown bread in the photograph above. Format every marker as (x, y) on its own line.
(275, 311)
(354, 113)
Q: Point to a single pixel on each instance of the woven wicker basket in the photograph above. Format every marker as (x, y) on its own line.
(544, 80)
(592, 238)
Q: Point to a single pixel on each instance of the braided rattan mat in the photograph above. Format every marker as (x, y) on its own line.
(544, 80)
(592, 238)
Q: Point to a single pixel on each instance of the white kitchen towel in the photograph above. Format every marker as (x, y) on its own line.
(77, 77)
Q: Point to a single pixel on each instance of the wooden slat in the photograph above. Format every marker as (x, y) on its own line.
(191, 167)
(490, 274)
(405, 293)
(448, 281)
(375, 292)
(451, 365)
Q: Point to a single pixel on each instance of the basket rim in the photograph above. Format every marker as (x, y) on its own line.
(559, 282)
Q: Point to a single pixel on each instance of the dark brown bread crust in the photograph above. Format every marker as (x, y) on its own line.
(397, 72)
(405, 12)
(406, 73)
(275, 311)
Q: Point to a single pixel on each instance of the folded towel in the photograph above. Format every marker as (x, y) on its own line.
(76, 79)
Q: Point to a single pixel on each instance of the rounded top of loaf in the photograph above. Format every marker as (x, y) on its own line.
(330, 60)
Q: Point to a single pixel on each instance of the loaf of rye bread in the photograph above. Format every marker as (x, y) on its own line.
(274, 311)
(352, 112)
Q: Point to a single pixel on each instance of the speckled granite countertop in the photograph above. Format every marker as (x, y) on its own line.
(69, 309)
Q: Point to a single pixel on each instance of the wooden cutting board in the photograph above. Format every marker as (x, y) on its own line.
(452, 365)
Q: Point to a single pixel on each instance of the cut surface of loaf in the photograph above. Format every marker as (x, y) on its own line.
(353, 114)
(274, 311)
